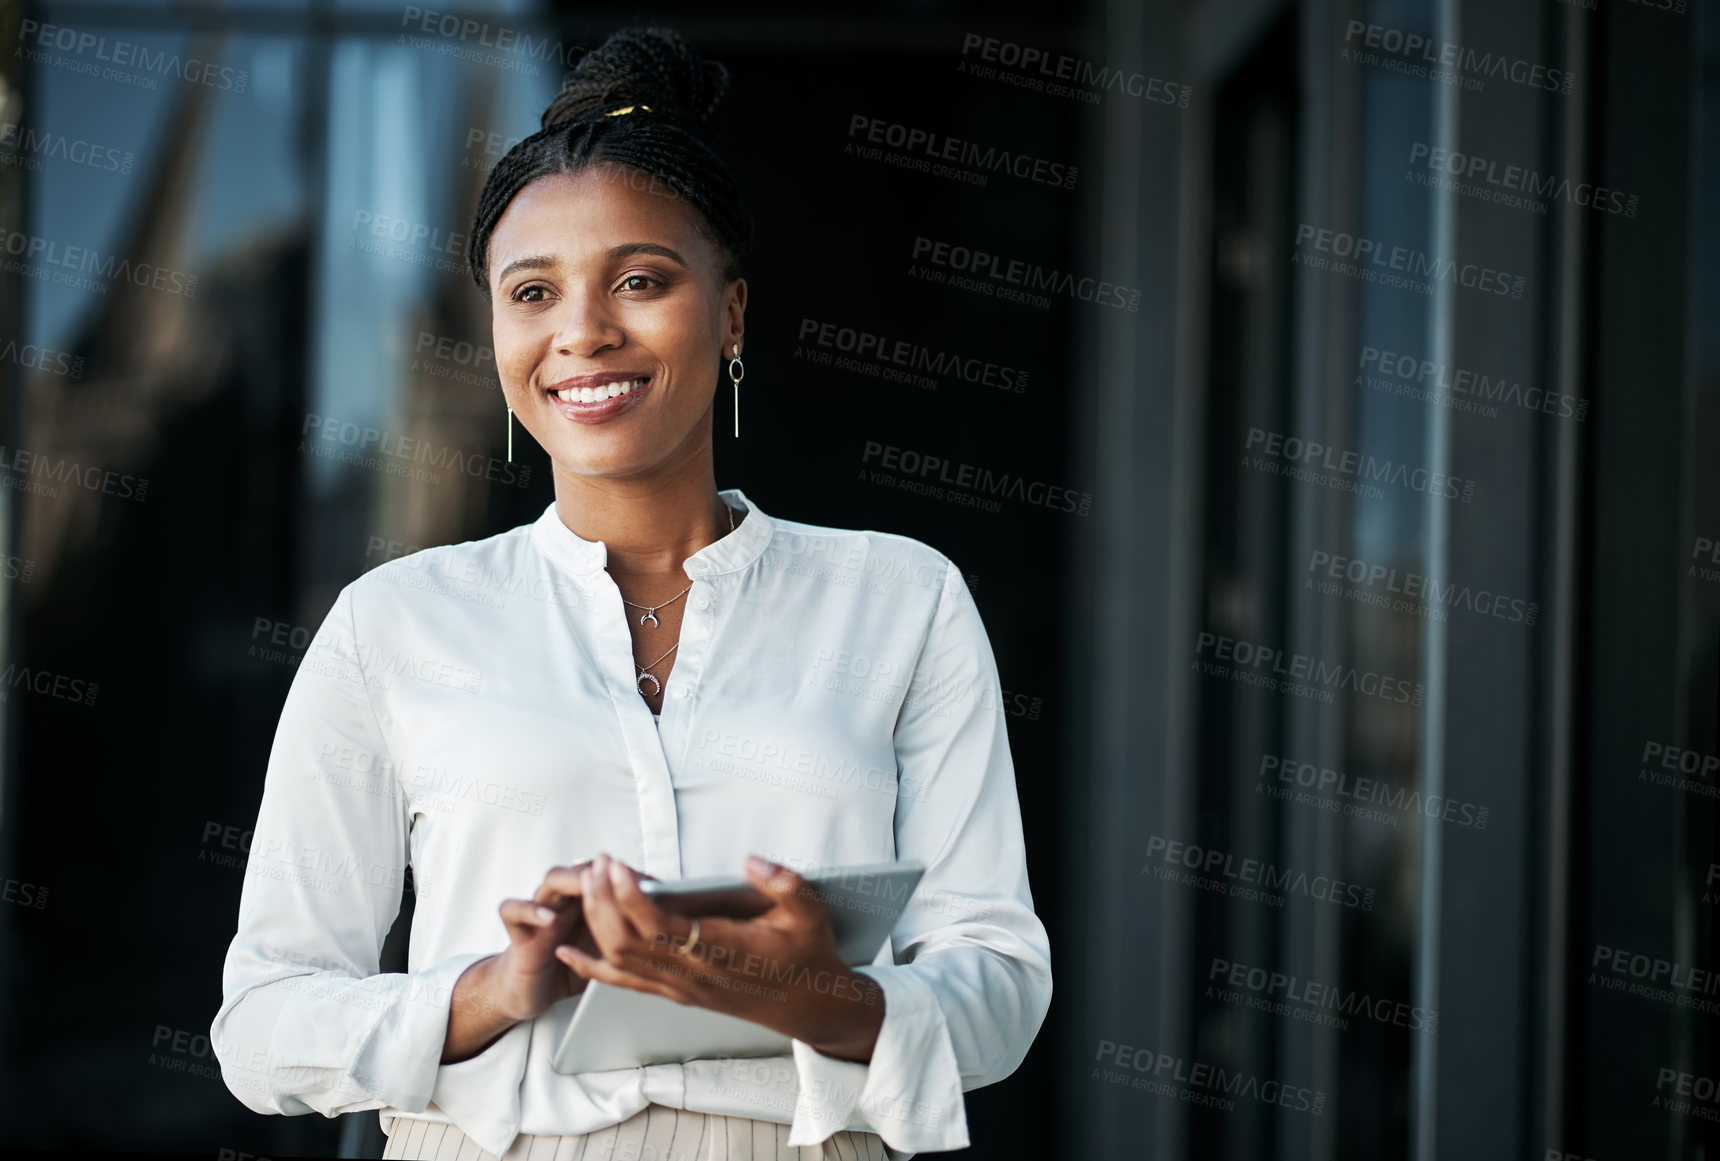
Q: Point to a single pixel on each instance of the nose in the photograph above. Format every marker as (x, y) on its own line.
(585, 324)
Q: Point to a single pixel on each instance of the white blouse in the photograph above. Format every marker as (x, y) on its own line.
(471, 711)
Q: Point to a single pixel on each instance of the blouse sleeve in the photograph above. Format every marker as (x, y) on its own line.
(306, 1021)
(972, 978)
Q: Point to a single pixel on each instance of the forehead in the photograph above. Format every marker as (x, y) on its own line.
(573, 214)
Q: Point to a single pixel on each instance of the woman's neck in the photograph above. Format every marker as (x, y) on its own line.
(650, 528)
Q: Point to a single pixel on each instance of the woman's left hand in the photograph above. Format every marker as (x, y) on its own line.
(779, 969)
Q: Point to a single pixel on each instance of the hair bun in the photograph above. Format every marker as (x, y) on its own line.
(644, 66)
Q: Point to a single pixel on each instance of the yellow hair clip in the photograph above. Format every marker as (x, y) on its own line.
(628, 109)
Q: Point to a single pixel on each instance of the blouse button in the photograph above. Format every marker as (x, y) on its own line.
(702, 601)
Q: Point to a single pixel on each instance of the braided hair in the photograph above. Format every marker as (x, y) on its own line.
(670, 143)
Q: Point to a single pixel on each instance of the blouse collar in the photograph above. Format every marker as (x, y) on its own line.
(729, 553)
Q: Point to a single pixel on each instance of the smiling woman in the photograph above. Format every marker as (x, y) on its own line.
(826, 696)
(617, 215)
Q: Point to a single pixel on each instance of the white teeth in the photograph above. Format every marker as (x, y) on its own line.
(594, 394)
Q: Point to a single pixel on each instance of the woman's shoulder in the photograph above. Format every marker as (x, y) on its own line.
(870, 554)
(481, 572)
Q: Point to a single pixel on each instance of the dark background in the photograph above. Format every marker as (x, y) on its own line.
(129, 808)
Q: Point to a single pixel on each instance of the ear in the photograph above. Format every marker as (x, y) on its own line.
(735, 309)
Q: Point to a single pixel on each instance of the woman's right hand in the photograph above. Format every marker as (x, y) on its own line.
(527, 978)
(522, 982)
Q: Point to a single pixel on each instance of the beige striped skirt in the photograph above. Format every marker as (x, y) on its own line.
(654, 1133)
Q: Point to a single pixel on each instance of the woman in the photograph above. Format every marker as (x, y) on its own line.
(482, 713)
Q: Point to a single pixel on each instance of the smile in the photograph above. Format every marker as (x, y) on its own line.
(598, 398)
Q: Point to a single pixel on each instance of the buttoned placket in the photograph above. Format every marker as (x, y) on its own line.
(682, 690)
(649, 744)
(659, 825)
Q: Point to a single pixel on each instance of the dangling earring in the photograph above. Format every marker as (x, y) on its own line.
(737, 370)
(510, 434)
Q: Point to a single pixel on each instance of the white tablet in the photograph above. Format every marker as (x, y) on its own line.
(607, 1027)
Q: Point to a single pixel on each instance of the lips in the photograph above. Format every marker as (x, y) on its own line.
(599, 397)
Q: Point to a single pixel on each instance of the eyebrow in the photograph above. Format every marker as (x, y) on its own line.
(616, 253)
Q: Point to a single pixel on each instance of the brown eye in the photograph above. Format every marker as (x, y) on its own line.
(520, 294)
(639, 282)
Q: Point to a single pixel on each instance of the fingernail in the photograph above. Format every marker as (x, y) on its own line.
(545, 914)
(615, 873)
(762, 866)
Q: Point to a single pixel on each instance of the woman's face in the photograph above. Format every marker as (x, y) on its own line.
(599, 280)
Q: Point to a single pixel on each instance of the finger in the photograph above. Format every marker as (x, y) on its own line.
(525, 919)
(716, 937)
(784, 887)
(594, 968)
(608, 925)
(559, 884)
(653, 924)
